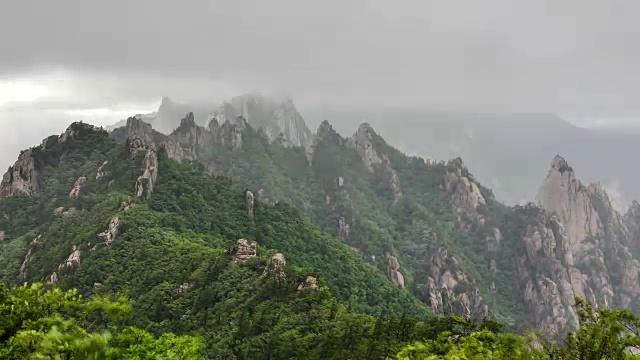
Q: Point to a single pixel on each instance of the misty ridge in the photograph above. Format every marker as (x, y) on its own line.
(492, 82)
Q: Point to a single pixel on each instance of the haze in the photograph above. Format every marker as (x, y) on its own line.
(100, 62)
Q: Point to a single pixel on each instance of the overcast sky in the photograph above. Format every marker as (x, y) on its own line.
(104, 60)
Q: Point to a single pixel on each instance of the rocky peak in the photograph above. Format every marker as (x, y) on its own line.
(465, 193)
(139, 133)
(563, 194)
(362, 142)
(271, 114)
(325, 129)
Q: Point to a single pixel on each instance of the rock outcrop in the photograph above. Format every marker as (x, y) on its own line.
(249, 201)
(101, 172)
(149, 167)
(277, 118)
(275, 267)
(22, 272)
(21, 178)
(73, 260)
(311, 283)
(563, 194)
(463, 190)
(450, 291)
(245, 250)
(393, 271)
(77, 186)
(362, 143)
(575, 245)
(108, 236)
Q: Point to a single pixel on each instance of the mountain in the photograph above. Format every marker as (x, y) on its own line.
(506, 152)
(276, 116)
(432, 227)
(306, 252)
(168, 115)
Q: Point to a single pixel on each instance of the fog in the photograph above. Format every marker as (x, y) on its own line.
(103, 61)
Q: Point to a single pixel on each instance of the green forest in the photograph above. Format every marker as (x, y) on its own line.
(109, 272)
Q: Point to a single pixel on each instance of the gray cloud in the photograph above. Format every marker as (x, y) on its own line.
(578, 57)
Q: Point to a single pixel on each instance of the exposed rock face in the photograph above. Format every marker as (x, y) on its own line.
(249, 202)
(21, 178)
(109, 235)
(343, 228)
(275, 267)
(548, 282)
(394, 181)
(2, 235)
(53, 278)
(277, 118)
(563, 194)
(450, 290)
(632, 221)
(245, 250)
(463, 190)
(77, 186)
(74, 258)
(139, 133)
(27, 258)
(100, 172)
(576, 245)
(393, 271)
(361, 141)
(183, 288)
(311, 283)
(149, 167)
(58, 211)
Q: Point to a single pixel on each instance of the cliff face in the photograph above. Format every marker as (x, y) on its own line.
(575, 245)
(277, 118)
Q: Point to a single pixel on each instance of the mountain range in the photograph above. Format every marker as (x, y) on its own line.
(245, 227)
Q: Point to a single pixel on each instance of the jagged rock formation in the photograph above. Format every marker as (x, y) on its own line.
(109, 235)
(632, 221)
(149, 167)
(100, 173)
(275, 267)
(21, 178)
(311, 283)
(73, 260)
(393, 271)
(450, 290)
(77, 186)
(343, 228)
(362, 142)
(245, 250)
(249, 202)
(463, 190)
(563, 194)
(277, 118)
(27, 258)
(575, 245)
(53, 278)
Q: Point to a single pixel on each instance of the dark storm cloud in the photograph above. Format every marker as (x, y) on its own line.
(572, 55)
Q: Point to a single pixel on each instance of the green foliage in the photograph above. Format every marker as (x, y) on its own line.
(38, 321)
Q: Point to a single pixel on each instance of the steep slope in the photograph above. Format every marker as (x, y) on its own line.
(432, 228)
(392, 210)
(191, 251)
